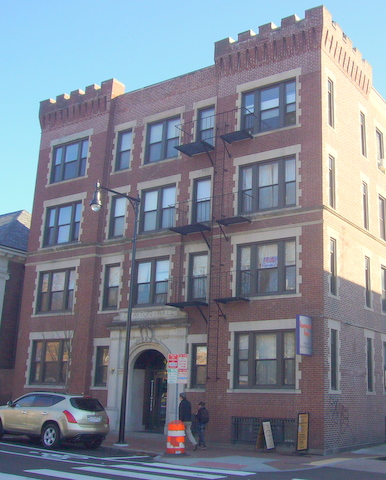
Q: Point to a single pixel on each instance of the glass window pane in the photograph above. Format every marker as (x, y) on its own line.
(266, 346)
(58, 280)
(200, 265)
(156, 133)
(172, 130)
(114, 276)
(162, 270)
(266, 373)
(249, 102)
(246, 178)
(155, 152)
(290, 253)
(201, 354)
(289, 345)
(243, 344)
(268, 174)
(269, 98)
(290, 92)
(290, 170)
(268, 256)
(151, 199)
(143, 293)
(84, 149)
(150, 221)
(126, 141)
(144, 272)
(119, 207)
(72, 152)
(203, 189)
(169, 196)
(65, 215)
(245, 258)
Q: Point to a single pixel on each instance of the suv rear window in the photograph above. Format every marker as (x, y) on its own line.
(90, 404)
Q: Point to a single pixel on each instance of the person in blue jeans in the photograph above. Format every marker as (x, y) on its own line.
(185, 415)
(202, 420)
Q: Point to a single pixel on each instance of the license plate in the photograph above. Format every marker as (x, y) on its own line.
(94, 419)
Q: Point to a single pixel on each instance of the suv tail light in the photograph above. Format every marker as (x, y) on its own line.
(70, 417)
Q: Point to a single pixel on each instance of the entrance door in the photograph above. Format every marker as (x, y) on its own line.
(155, 390)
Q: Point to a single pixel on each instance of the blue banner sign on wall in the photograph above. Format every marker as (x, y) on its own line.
(303, 335)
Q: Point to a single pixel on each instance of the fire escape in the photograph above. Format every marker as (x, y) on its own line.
(209, 217)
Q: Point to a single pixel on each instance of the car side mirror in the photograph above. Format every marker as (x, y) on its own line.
(10, 404)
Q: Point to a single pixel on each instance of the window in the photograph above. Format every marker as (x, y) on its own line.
(330, 102)
(268, 185)
(270, 107)
(162, 137)
(50, 361)
(383, 286)
(201, 206)
(117, 219)
(331, 182)
(152, 282)
(380, 148)
(267, 268)
(56, 291)
(363, 134)
(69, 161)
(158, 208)
(265, 360)
(382, 213)
(365, 205)
(122, 160)
(367, 282)
(111, 287)
(333, 268)
(334, 359)
(102, 363)
(206, 125)
(370, 364)
(62, 224)
(199, 365)
(198, 276)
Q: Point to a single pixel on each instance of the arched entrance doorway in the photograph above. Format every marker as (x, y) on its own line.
(154, 373)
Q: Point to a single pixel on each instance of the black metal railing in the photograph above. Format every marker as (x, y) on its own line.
(246, 429)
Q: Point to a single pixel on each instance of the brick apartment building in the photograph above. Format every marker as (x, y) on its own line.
(262, 219)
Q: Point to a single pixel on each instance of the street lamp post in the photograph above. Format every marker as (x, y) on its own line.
(95, 205)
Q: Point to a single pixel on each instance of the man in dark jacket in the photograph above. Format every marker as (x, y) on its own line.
(202, 419)
(185, 415)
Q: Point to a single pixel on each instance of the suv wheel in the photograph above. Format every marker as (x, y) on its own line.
(93, 444)
(50, 436)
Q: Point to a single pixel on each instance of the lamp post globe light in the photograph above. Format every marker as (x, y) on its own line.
(96, 204)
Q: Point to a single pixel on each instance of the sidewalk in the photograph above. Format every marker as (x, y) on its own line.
(236, 457)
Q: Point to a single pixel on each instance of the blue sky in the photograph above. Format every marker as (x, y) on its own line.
(50, 47)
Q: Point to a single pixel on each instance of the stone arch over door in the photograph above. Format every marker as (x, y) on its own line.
(149, 391)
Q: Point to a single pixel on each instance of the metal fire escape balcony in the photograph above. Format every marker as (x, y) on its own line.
(193, 217)
(189, 292)
(199, 136)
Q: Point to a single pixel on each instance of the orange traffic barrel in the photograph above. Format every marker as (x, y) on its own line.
(176, 437)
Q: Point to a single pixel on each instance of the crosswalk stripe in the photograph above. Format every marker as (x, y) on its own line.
(239, 473)
(10, 476)
(58, 474)
(166, 470)
(143, 476)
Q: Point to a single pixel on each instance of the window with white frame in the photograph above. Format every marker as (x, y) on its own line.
(330, 102)
(269, 107)
(267, 268)
(101, 366)
(334, 352)
(205, 130)
(370, 364)
(265, 359)
(69, 160)
(62, 224)
(158, 208)
(152, 281)
(122, 160)
(111, 286)
(380, 148)
(117, 217)
(49, 361)
(162, 137)
(268, 185)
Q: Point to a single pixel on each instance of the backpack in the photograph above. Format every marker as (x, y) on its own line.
(204, 414)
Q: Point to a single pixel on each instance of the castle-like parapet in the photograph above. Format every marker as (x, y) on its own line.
(79, 104)
(294, 36)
